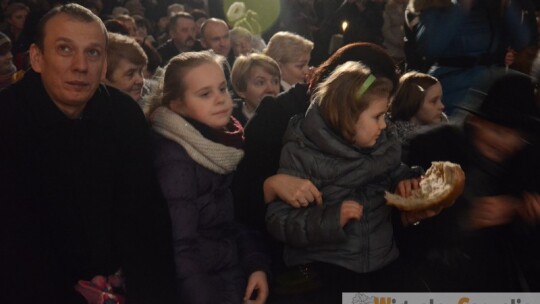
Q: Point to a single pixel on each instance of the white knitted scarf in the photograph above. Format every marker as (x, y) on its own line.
(214, 156)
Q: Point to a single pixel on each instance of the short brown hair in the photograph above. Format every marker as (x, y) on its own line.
(244, 64)
(123, 47)
(410, 95)
(73, 10)
(174, 19)
(15, 7)
(339, 100)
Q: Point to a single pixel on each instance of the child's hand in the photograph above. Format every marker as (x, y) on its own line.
(257, 281)
(404, 188)
(350, 210)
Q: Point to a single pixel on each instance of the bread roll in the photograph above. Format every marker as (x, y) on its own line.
(441, 185)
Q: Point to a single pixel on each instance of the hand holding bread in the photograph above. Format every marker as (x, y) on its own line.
(442, 184)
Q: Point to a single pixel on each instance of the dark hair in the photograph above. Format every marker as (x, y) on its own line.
(372, 56)
(198, 14)
(410, 95)
(174, 18)
(73, 10)
(117, 27)
(154, 59)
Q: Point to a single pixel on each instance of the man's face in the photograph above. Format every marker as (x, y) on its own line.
(72, 62)
(128, 77)
(184, 33)
(18, 19)
(216, 37)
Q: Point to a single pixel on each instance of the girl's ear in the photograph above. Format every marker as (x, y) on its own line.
(176, 106)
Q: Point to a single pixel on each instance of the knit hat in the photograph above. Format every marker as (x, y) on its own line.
(510, 102)
(5, 43)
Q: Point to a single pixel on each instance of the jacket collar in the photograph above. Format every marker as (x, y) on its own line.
(45, 111)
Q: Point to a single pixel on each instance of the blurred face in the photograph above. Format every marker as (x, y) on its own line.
(128, 77)
(370, 123)
(183, 34)
(259, 84)
(199, 23)
(141, 32)
(431, 110)
(295, 71)
(495, 142)
(206, 98)
(6, 63)
(72, 63)
(18, 19)
(216, 37)
(242, 46)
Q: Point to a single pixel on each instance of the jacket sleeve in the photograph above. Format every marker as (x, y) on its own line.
(178, 183)
(252, 250)
(301, 227)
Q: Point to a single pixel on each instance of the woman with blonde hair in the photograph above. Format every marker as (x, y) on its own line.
(293, 53)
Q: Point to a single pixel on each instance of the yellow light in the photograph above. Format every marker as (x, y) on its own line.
(344, 25)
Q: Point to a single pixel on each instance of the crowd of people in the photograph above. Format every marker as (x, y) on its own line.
(180, 152)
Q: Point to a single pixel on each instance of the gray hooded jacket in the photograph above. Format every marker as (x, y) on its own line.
(340, 171)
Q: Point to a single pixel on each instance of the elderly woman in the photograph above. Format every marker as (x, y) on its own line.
(292, 53)
(253, 77)
(243, 42)
(126, 61)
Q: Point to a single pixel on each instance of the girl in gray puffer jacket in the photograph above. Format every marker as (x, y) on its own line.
(342, 145)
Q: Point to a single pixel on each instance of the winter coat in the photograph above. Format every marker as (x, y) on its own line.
(340, 171)
(79, 198)
(213, 254)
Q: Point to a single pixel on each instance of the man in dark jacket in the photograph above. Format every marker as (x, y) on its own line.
(78, 196)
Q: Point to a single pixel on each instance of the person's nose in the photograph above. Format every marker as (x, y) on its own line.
(80, 62)
(382, 123)
(139, 79)
(440, 104)
(271, 89)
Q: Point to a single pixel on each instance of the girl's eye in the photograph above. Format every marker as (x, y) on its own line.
(223, 89)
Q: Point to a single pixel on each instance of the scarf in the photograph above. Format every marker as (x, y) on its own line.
(213, 156)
